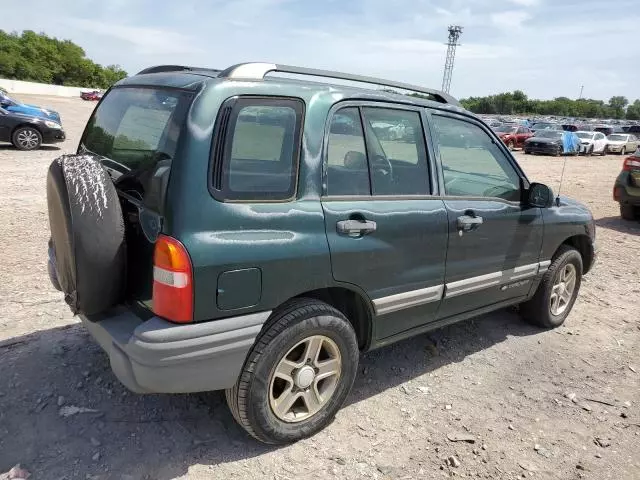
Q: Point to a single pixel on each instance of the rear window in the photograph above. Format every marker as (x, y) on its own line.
(256, 149)
(135, 132)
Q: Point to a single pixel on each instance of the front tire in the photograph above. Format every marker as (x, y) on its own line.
(557, 292)
(26, 138)
(623, 152)
(298, 374)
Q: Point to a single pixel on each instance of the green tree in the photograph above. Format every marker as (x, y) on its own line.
(37, 57)
(633, 111)
(618, 105)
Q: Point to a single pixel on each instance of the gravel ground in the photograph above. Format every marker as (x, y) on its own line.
(510, 386)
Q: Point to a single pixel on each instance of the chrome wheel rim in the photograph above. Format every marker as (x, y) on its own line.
(562, 290)
(27, 139)
(305, 379)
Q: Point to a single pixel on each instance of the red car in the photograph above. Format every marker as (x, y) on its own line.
(93, 95)
(513, 136)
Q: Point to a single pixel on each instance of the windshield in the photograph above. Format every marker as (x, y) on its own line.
(617, 138)
(135, 132)
(7, 100)
(505, 129)
(549, 134)
(586, 135)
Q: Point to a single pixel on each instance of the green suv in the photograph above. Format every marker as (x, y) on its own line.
(239, 231)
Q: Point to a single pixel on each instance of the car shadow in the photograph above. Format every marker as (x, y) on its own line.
(617, 224)
(50, 148)
(47, 374)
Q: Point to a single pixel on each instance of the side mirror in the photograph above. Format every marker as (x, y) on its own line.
(540, 196)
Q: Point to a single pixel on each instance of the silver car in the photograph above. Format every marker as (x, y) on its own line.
(622, 143)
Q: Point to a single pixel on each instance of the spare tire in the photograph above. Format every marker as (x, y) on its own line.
(87, 234)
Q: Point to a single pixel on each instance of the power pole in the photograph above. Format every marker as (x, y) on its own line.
(581, 92)
(454, 35)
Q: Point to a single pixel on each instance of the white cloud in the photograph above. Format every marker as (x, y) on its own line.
(511, 19)
(526, 3)
(144, 40)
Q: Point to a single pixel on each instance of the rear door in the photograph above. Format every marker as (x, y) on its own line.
(494, 241)
(134, 132)
(387, 234)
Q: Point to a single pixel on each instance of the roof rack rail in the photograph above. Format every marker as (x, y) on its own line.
(257, 71)
(176, 68)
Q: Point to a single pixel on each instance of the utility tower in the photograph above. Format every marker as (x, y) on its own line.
(454, 35)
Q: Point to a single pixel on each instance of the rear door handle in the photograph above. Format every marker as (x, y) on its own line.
(466, 223)
(356, 228)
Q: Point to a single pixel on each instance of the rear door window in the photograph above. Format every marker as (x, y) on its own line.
(135, 132)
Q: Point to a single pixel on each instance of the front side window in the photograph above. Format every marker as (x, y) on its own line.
(385, 155)
(257, 149)
(473, 165)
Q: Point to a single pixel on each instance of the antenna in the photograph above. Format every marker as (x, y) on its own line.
(564, 165)
(454, 35)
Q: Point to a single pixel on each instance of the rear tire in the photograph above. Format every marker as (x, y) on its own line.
(254, 399)
(540, 309)
(628, 212)
(26, 138)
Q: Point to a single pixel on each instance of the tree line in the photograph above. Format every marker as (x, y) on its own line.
(36, 57)
(517, 103)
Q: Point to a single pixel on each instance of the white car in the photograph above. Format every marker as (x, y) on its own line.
(622, 143)
(592, 142)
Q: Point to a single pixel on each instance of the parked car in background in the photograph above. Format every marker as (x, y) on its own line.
(92, 95)
(634, 129)
(547, 142)
(546, 126)
(570, 127)
(27, 132)
(606, 129)
(12, 105)
(513, 136)
(626, 190)
(592, 142)
(622, 143)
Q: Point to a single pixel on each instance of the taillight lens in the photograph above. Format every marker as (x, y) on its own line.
(172, 281)
(631, 163)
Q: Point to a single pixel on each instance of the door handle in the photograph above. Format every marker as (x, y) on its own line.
(466, 223)
(356, 228)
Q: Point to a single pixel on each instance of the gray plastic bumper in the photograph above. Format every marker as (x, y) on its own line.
(156, 356)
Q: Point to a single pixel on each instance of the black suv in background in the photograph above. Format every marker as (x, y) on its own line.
(226, 229)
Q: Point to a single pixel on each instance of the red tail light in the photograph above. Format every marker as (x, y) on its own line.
(631, 163)
(172, 281)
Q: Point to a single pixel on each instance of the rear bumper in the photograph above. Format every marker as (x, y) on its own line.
(156, 356)
(627, 190)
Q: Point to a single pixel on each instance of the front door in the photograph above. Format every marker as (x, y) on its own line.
(386, 235)
(494, 241)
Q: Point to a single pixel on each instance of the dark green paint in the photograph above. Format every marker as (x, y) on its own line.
(285, 249)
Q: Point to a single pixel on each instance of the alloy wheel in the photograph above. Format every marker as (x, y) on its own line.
(305, 379)
(562, 290)
(28, 139)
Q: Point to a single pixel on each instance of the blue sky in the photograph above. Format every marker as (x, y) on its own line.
(547, 48)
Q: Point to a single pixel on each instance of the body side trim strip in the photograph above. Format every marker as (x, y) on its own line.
(412, 298)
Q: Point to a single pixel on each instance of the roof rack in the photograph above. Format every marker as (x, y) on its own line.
(257, 71)
(176, 68)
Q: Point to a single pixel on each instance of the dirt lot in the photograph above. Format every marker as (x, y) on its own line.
(495, 377)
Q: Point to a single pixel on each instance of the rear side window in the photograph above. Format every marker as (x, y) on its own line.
(135, 132)
(256, 149)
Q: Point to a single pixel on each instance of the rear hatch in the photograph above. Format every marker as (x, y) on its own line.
(135, 132)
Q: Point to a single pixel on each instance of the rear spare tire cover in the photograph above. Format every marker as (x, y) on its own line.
(87, 231)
